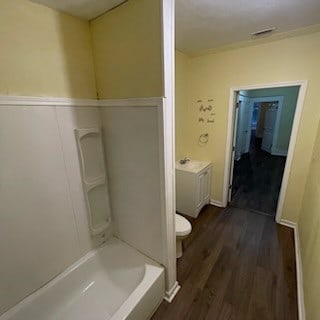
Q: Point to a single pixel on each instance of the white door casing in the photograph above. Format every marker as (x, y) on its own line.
(228, 171)
(235, 105)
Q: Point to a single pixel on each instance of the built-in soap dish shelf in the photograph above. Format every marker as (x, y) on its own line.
(93, 173)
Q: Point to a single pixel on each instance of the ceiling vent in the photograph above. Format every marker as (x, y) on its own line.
(263, 32)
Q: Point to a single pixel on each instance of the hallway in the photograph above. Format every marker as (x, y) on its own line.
(236, 265)
(257, 179)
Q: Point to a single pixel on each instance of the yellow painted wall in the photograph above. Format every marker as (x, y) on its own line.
(309, 229)
(44, 52)
(212, 76)
(181, 103)
(127, 50)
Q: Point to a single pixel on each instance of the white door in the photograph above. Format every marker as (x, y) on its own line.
(243, 135)
(238, 133)
(268, 129)
(247, 119)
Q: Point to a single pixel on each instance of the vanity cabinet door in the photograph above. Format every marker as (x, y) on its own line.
(206, 186)
(203, 188)
(193, 190)
(200, 189)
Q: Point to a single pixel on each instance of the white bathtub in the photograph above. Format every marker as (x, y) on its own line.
(113, 282)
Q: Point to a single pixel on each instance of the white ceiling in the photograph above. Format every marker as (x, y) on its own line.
(86, 9)
(209, 24)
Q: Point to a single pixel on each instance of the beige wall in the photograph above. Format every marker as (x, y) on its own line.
(48, 53)
(309, 229)
(290, 95)
(127, 51)
(44, 52)
(213, 75)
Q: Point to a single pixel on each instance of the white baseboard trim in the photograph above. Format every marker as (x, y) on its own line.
(278, 152)
(288, 223)
(216, 203)
(300, 293)
(170, 294)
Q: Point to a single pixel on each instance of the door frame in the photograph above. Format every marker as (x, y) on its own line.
(302, 84)
(235, 103)
(280, 100)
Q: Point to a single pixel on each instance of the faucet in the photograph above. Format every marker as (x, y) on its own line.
(184, 161)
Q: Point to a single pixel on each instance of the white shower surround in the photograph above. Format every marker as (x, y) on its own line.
(63, 109)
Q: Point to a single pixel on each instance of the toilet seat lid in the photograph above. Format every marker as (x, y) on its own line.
(183, 226)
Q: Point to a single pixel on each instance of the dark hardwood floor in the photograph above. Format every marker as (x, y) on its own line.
(236, 265)
(257, 179)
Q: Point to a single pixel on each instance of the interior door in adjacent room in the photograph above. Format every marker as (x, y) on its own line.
(269, 125)
(243, 126)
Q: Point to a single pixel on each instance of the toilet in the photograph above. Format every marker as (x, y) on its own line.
(183, 229)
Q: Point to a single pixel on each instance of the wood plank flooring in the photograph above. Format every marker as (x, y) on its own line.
(236, 265)
(257, 180)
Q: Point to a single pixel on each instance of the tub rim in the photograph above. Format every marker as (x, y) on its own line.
(141, 288)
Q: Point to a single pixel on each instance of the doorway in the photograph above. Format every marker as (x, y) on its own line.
(258, 167)
(262, 130)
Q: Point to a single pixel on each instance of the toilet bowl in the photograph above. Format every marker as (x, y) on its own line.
(183, 229)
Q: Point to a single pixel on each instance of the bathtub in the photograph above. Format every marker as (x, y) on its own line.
(113, 282)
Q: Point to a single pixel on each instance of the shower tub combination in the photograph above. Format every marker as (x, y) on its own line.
(114, 282)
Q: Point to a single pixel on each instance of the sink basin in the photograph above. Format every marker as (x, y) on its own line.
(192, 166)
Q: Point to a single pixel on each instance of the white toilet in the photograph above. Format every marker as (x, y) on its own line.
(183, 229)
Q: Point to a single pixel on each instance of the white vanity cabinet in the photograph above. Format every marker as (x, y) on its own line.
(193, 181)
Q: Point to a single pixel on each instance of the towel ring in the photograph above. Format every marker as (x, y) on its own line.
(204, 138)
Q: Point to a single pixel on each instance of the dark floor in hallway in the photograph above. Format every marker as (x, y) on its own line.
(257, 180)
(236, 265)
